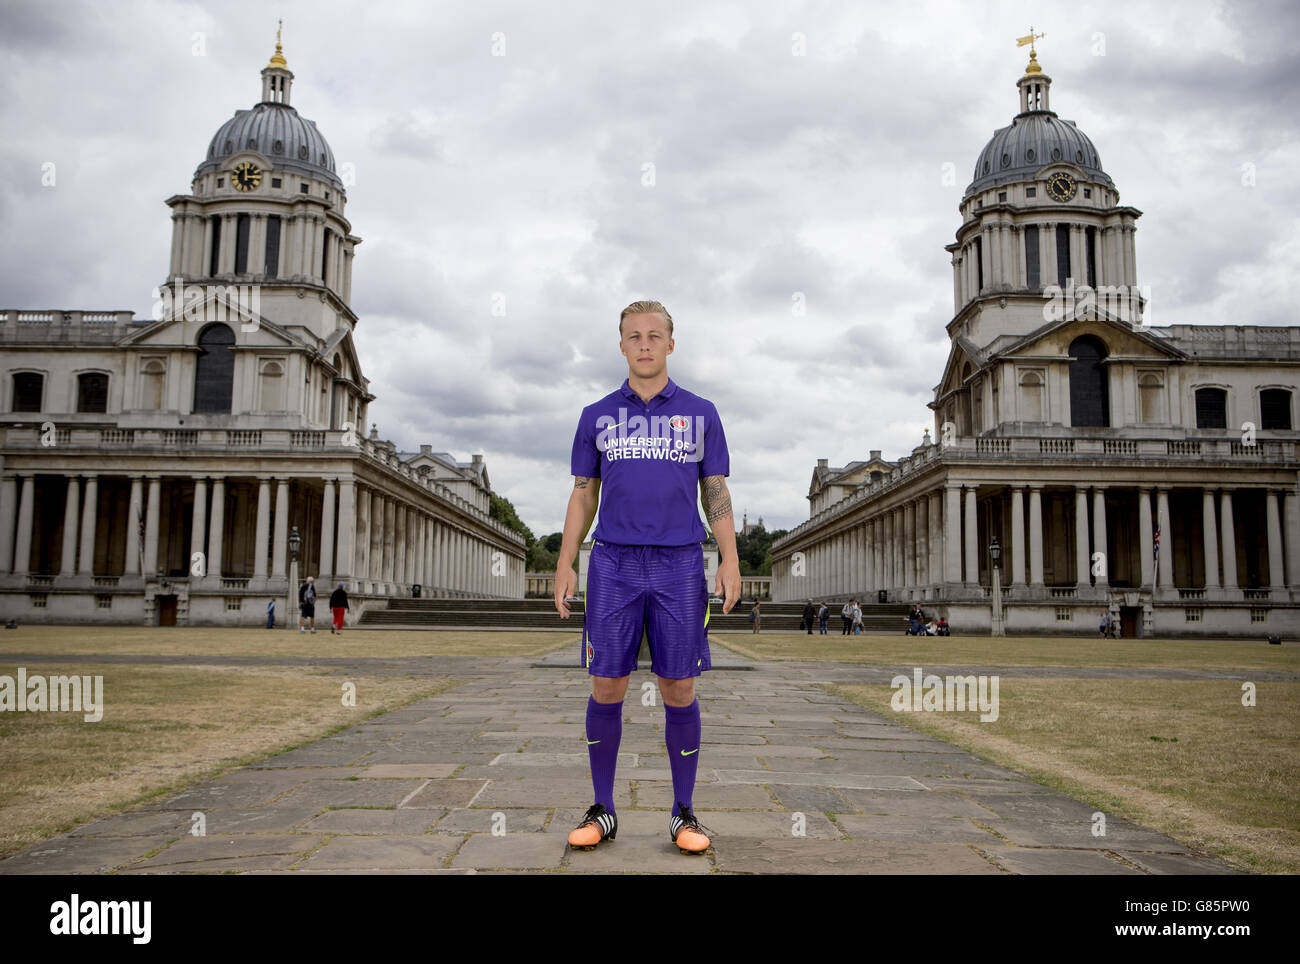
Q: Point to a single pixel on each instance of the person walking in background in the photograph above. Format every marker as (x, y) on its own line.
(808, 614)
(1106, 620)
(270, 615)
(307, 605)
(756, 617)
(846, 618)
(857, 617)
(823, 614)
(338, 605)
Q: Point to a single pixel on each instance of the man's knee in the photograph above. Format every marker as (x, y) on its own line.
(678, 692)
(607, 689)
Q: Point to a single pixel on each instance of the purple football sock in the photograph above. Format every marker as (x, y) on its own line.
(604, 732)
(682, 734)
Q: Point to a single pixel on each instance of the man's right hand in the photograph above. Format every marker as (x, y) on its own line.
(566, 588)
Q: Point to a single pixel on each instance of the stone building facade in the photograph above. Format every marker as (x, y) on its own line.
(1147, 470)
(153, 470)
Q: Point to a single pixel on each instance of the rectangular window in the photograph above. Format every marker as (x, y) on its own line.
(1211, 408)
(1002, 196)
(302, 188)
(979, 264)
(1091, 237)
(1031, 192)
(1033, 277)
(104, 602)
(324, 256)
(1064, 615)
(1192, 615)
(1063, 266)
(1275, 409)
(27, 391)
(1258, 615)
(241, 244)
(273, 246)
(233, 604)
(215, 260)
(275, 182)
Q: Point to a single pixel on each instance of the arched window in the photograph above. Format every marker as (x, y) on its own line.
(92, 392)
(1275, 409)
(28, 388)
(1031, 397)
(272, 386)
(1151, 397)
(214, 376)
(1211, 408)
(152, 379)
(1089, 388)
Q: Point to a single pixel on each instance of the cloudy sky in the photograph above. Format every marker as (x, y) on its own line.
(798, 149)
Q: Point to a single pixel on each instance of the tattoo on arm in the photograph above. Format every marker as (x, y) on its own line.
(580, 482)
(716, 498)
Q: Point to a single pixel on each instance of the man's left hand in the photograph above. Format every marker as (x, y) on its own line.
(728, 584)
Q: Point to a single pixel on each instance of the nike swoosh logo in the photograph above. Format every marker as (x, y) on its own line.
(689, 752)
(592, 742)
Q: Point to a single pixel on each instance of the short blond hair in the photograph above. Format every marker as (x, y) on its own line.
(645, 307)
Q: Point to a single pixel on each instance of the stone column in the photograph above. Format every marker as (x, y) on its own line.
(346, 527)
(89, 511)
(952, 534)
(131, 564)
(1036, 535)
(375, 559)
(280, 548)
(972, 560)
(936, 536)
(217, 528)
(909, 545)
(1211, 540)
(1229, 538)
(71, 512)
(1146, 545)
(1017, 574)
(1099, 533)
(1082, 557)
(1275, 578)
(8, 506)
(198, 521)
(327, 533)
(390, 544)
(402, 541)
(923, 577)
(1291, 519)
(263, 526)
(151, 526)
(1165, 567)
(26, 513)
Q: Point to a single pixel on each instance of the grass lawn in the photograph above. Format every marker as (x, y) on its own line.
(202, 640)
(169, 727)
(1183, 757)
(1224, 654)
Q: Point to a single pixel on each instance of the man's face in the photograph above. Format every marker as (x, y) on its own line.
(646, 344)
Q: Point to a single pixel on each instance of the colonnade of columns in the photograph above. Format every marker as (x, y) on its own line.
(936, 541)
(368, 538)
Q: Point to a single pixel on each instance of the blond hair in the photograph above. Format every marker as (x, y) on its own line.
(645, 307)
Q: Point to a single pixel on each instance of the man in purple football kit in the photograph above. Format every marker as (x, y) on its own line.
(655, 448)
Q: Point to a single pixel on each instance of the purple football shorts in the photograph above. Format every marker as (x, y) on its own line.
(660, 590)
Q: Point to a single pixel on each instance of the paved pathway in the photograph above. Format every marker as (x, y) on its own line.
(492, 775)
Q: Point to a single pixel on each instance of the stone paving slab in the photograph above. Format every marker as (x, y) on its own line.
(490, 777)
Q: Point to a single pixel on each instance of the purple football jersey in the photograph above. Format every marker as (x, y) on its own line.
(650, 458)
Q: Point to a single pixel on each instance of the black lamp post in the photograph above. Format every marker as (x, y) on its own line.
(995, 558)
(295, 543)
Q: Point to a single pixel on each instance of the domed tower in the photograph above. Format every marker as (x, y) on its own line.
(267, 208)
(1039, 211)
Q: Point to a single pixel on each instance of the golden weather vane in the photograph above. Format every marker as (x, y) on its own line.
(1029, 38)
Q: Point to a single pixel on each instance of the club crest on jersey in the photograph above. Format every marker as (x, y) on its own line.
(591, 652)
(679, 423)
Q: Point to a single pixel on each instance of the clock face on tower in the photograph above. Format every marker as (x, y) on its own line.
(1061, 187)
(246, 177)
